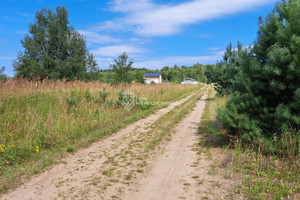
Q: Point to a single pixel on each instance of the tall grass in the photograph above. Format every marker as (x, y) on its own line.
(266, 168)
(271, 168)
(41, 117)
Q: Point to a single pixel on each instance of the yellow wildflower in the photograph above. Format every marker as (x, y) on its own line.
(2, 148)
(9, 134)
(37, 149)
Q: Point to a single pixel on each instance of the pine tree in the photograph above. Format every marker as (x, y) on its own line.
(278, 51)
(228, 69)
(53, 48)
(266, 83)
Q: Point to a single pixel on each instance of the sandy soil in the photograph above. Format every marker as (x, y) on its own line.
(170, 175)
(182, 173)
(119, 167)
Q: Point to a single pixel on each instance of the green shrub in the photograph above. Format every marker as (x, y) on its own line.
(70, 149)
(73, 100)
(104, 94)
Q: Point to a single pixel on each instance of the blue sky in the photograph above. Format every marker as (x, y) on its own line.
(154, 33)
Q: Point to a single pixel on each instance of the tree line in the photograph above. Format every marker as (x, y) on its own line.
(175, 74)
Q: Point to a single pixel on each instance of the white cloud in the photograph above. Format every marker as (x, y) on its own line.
(113, 25)
(104, 60)
(145, 17)
(203, 35)
(94, 37)
(6, 57)
(132, 5)
(148, 18)
(115, 50)
(214, 48)
(25, 14)
(159, 62)
(23, 32)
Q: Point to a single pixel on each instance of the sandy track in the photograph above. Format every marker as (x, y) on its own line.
(185, 169)
(82, 175)
(171, 175)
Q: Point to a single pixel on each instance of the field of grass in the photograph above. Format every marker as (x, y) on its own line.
(41, 121)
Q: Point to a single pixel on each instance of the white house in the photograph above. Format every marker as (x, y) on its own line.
(189, 81)
(152, 78)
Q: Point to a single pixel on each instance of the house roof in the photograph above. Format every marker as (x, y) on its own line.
(189, 79)
(151, 74)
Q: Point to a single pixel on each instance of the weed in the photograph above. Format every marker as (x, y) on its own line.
(109, 172)
(105, 186)
(104, 94)
(128, 177)
(70, 149)
(113, 180)
(212, 171)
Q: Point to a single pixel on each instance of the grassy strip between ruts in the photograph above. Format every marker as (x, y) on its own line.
(11, 175)
(260, 176)
(165, 124)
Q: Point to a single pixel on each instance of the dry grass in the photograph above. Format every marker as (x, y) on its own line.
(38, 120)
(155, 92)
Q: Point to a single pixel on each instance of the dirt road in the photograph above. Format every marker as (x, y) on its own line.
(171, 173)
(142, 161)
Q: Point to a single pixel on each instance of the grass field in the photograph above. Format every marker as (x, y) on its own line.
(41, 121)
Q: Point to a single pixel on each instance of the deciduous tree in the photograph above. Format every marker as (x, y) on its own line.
(53, 48)
(121, 67)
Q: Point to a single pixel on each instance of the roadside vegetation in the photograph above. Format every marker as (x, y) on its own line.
(41, 121)
(260, 118)
(257, 174)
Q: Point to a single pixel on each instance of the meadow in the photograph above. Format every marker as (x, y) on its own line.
(41, 121)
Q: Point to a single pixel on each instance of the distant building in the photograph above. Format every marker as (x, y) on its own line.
(189, 81)
(152, 78)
